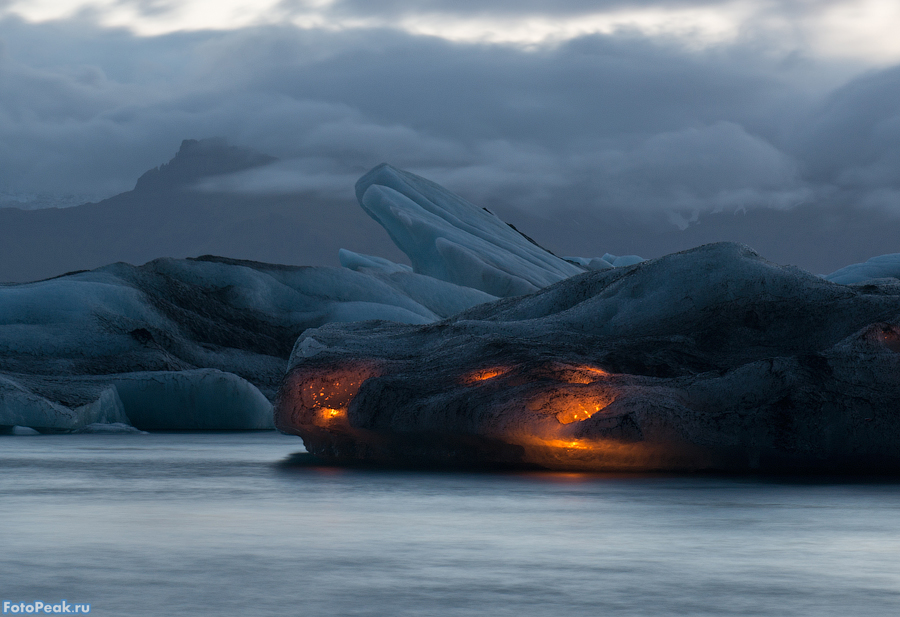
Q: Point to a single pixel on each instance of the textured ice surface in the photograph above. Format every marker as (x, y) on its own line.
(66, 343)
(369, 263)
(881, 267)
(202, 399)
(204, 343)
(21, 431)
(710, 358)
(239, 317)
(591, 263)
(173, 315)
(441, 298)
(112, 428)
(450, 239)
(20, 406)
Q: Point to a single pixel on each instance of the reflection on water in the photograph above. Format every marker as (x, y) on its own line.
(178, 524)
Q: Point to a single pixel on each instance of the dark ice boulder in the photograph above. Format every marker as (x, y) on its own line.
(712, 358)
(183, 343)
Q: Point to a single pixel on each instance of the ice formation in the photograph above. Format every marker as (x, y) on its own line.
(170, 317)
(487, 349)
(202, 399)
(881, 267)
(20, 406)
(74, 350)
(708, 359)
(448, 238)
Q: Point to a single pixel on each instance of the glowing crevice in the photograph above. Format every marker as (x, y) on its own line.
(484, 374)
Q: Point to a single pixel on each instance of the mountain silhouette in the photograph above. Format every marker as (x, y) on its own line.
(166, 216)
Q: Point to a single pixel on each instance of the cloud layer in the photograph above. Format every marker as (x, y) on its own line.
(615, 120)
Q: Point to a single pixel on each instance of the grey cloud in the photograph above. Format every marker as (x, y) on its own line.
(151, 7)
(399, 8)
(600, 122)
(856, 132)
(708, 168)
(849, 146)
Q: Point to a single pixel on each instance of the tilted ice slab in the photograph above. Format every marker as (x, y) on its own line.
(450, 239)
(711, 358)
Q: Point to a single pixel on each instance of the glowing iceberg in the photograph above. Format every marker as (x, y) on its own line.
(164, 321)
(708, 359)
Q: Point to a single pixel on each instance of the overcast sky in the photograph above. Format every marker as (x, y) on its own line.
(655, 105)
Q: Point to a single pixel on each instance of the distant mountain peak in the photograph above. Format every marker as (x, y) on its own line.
(200, 158)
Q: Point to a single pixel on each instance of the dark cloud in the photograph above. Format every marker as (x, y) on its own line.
(852, 142)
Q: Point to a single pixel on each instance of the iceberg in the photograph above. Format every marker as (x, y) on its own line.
(203, 399)
(21, 406)
(110, 428)
(450, 239)
(441, 298)
(172, 317)
(487, 349)
(881, 267)
(144, 332)
(170, 314)
(18, 430)
(711, 358)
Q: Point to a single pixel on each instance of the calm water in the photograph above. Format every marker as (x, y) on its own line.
(215, 524)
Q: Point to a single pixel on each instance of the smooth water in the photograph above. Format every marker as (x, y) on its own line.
(217, 524)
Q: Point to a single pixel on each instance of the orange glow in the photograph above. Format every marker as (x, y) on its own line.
(579, 373)
(330, 393)
(592, 369)
(890, 339)
(604, 454)
(578, 412)
(320, 397)
(572, 404)
(484, 374)
(568, 444)
(327, 414)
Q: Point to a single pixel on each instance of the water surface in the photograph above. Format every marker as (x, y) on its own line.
(217, 524)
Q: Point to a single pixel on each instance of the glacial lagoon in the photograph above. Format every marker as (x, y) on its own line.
(230, 524)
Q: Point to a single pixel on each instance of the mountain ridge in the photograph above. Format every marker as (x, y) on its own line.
(165, 216)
